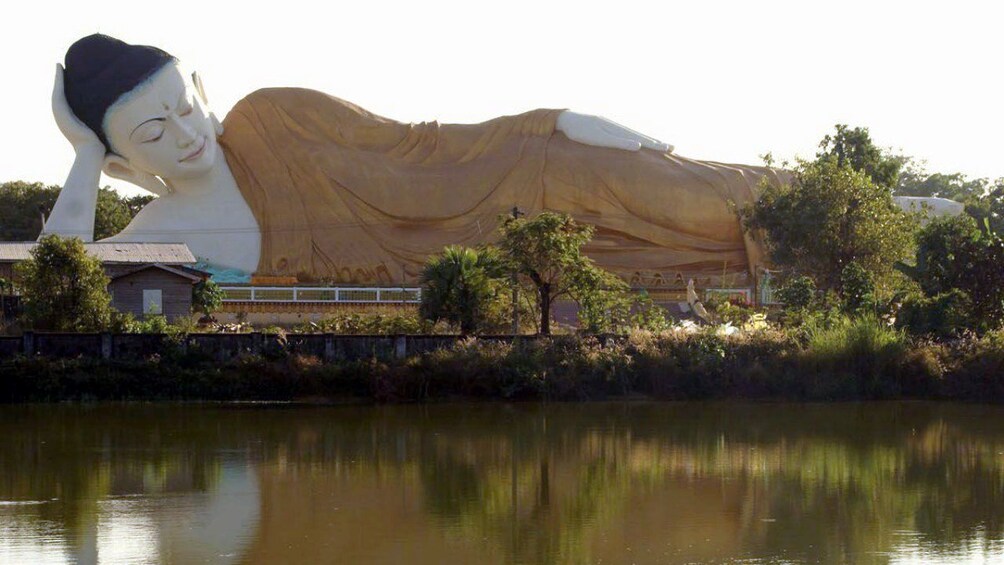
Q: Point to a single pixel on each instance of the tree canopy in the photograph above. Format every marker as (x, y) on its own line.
(854, 148)
(828, 217)
(207, 297)
(22, 205)
(956, 254)
(546, 252)
(63, 288)
(461, 286)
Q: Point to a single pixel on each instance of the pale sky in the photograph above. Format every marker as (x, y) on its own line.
(724, 81)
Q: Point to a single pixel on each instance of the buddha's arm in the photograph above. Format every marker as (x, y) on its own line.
(73, 213)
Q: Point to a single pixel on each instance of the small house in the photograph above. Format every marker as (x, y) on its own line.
(146, 278)
(155, 289)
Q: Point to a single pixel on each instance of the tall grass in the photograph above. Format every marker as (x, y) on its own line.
(857, 357)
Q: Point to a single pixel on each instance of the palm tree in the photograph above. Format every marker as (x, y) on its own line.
(458, 286)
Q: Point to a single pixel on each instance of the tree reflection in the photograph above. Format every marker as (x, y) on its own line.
(535, 483)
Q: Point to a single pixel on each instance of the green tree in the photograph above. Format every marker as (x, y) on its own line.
(63, 288)
(114, 212)
(989, 207)
(914, 180)
(606, 302)
(829, 216)
(546, 252)
(460, 285)
(22, 205)
(954, 253)
(207, 297)
(982, 197)
(854, 147)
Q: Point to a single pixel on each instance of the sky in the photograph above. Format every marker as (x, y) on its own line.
(723, 81)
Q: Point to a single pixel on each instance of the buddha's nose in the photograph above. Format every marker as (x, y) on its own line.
(185, 134)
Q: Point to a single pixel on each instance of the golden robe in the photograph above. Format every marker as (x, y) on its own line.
(343, 195)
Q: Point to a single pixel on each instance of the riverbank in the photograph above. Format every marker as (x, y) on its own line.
(850, 364)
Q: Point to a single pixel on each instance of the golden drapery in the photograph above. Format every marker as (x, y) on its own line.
(343, 195)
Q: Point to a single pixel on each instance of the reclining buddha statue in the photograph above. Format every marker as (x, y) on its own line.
(297, 183)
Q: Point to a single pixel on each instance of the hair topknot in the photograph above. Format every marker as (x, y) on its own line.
(100, 69)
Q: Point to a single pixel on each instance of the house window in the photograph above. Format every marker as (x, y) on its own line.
(152, 301)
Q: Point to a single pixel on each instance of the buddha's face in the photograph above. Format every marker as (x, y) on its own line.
(162, 128)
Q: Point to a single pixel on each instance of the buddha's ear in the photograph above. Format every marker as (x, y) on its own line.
(217, 124)
(201, 90)
(120, 168)
(197, 81)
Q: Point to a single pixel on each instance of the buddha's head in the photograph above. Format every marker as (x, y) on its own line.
(151, 117)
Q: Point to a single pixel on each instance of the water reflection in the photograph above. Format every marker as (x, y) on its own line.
(488, 483)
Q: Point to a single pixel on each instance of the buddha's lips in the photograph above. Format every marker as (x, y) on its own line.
(195, 153)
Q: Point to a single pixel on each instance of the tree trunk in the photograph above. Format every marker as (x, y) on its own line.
(545, 309)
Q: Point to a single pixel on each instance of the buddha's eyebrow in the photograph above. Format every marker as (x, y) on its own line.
(146, 122)
(181, 97)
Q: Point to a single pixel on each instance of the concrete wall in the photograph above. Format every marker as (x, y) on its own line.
(226, 347)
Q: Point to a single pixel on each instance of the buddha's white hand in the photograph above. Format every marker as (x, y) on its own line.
(78, 134)
(73, 213)
(601, 132)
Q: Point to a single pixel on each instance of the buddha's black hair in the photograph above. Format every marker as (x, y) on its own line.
(100, 69)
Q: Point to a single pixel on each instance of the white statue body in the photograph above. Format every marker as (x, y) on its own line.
(163, 139)
(930, 206)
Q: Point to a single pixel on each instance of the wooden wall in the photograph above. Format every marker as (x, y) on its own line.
(176, 293)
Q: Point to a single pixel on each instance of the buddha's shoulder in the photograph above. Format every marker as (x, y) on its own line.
(293, 99)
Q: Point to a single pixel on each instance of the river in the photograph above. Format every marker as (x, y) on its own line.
(489, 483)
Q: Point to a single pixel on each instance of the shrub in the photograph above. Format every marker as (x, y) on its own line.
(797, 293)
(857, 288)
(649, 316)
(372, 322)
(943, 316)
(978, 371)
(207, 297)
(729, 311)
(955, 254)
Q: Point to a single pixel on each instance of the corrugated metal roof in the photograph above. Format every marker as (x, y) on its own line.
(164, 253)
(181, 272)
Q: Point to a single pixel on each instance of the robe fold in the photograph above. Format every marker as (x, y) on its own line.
(343, 195)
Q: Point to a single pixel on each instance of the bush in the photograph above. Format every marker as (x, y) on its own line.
(857, 358)
(730, 311)
(207, 297)
(798, 293)
(857, 288)
(978, 369)
(373, 322)
(942, 316)
(955, 254)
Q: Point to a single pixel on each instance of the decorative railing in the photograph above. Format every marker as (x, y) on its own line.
(314, 294)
